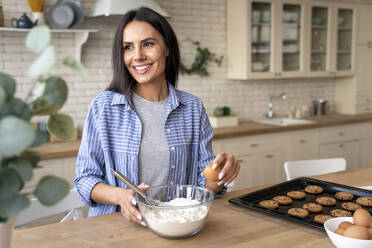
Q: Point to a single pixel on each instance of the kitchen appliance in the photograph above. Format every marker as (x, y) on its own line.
(319, 107)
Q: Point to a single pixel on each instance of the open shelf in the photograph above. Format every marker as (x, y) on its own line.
(81, 36)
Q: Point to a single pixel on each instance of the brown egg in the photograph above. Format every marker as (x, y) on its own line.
(356, 232)
(340, 231)
(345, 224)
(370, 232)
(211, 174)
(361, 217)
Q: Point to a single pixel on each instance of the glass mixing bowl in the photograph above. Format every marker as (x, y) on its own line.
(184, 214)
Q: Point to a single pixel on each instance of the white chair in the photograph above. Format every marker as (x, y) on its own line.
(314, 167)
(36, 210)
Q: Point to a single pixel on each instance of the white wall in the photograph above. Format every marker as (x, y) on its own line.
(200, 20)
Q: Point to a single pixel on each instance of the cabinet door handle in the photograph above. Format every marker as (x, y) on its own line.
(269, 156)
(302, 141)
(341, 134)
(254, 145)
(341, 146)
(240, 161)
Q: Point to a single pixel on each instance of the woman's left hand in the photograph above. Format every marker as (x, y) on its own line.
(230, 168)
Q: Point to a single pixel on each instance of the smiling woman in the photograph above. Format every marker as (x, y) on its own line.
(143, 127)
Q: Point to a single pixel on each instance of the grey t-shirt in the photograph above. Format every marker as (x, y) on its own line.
(153, 164)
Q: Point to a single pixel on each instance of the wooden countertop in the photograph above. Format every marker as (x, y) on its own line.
(227, 226)
(252, 128)
(71, 148)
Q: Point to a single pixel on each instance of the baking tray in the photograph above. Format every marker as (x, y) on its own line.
(252, 199)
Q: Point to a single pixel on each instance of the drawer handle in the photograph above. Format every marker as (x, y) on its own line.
(254, 145)
(341, 134)
(269, 156)
(240, 161)
(302, 141)
(341, 146)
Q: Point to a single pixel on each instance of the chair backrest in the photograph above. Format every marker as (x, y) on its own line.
(314, 167)
(36, 210)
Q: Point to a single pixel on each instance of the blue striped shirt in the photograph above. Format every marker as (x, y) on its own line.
(112, 136)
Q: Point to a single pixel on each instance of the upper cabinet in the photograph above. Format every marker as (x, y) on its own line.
(289, 38)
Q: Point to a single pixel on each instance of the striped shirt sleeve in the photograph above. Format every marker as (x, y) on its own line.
(90, 160)
(206, 155)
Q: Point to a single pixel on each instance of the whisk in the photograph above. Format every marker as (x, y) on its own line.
(36, 5)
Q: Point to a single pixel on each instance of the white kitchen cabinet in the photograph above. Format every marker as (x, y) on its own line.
(290, 38)
(365, 146)
(301, 145)
(265, 39)
(347, 150)
(365, 152)
(353, 95)
(340, 141)
(332, 39)
(260, 158)
(61, 167)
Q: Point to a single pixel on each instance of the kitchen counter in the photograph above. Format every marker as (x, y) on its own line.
(71, 148)
(252, 128)
(227, 226)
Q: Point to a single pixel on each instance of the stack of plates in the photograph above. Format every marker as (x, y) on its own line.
(66, 14)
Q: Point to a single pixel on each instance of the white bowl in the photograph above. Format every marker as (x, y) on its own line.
(341, 241)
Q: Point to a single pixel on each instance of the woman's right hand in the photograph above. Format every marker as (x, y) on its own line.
(128, 204)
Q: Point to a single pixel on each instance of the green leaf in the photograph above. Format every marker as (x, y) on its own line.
(42, 135)
(61, 126)
(54, 95)
(16, 107)
(43, 63)
(51, 189)
(32, 157)
(8, 84)
(218, 111)
(10, 180)
(75, 66)
(2, 97)
(38, 38)
(226, 111)
(11, 204)
(16, 135)
(23, 167)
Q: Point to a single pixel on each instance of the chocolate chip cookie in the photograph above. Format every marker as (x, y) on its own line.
(283, 200)
(313, 207)
(326, 201)
(299, 212)
(365, 201)
(321, 218)
(269, 204)
(297, 195)
(341, 213)
(314, 189)
(344, 196)
(351, 206)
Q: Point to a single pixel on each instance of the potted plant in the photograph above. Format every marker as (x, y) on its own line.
(18, 136)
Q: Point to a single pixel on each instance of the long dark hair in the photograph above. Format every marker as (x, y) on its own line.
(122, 81)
